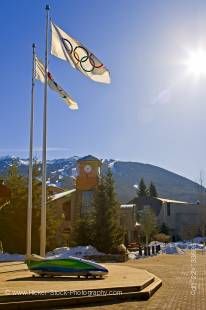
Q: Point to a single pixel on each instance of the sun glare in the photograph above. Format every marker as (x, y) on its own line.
(196, 63)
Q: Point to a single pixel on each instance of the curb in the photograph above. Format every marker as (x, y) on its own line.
(48, 303)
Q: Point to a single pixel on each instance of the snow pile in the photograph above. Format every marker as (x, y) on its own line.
(156, 243)
(133, 255)
(199, 239)
(64, 252)
(181, 245)
(6, 257)
(78, 251)
(171, 248)
(189, 245)
(195, 246)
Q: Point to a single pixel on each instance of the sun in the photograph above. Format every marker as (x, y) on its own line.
(196, 63)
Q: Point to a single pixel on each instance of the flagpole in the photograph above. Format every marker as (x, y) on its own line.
(29, 209)
(44, 194)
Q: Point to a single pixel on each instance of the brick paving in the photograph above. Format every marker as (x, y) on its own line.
(176, 292)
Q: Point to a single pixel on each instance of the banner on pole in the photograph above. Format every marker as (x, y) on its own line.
(40, 75)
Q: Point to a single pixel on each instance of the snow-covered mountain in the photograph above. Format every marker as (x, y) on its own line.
(126, 175)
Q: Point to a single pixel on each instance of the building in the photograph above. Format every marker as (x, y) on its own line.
(88, 174)
(79, 200)
(182, 218)
(128, 221)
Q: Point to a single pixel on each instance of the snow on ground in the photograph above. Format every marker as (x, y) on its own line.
(156, 243)
(165, 249)
(189, 245)
(199, 239)
(52, 185)
(171, 248)
(6, 257)
(133, 255)
(24, 162)
(61, 170)
(64, 252)
(111, 164)
(79, 251)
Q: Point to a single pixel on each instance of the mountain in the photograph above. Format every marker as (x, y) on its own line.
(126, 175)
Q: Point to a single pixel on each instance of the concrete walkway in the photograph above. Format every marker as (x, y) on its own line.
(184, 283)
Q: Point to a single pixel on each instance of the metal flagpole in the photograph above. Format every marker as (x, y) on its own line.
(29, 209)
(44, 194)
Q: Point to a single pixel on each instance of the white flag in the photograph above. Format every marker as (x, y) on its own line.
(67, 48)
(40, 75)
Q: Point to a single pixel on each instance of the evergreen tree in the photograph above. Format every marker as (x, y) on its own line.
(53, 219)
(13, 216)
(83, 231)
(152, 190)
(113, 209)
(100, 215)
(108, 233)
(164, 229)
(161, 237)
(142, 189)
(4, 194)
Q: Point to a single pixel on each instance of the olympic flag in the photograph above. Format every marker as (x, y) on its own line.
(40, 75)
(67, 48)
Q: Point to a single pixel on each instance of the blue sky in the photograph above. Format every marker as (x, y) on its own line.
(152, 112)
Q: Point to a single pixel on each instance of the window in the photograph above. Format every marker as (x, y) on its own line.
(168, 209)
(67, 210)
(147, 207)
(87, 201)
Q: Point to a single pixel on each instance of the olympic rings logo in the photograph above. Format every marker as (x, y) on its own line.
(87, 61)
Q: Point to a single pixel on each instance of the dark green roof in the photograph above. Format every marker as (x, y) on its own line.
(88, 157)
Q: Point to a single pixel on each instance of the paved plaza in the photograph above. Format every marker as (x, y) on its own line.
(176, 272)
(183, 278)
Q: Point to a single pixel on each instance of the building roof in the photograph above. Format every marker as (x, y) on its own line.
(62, 195)
(127, 206)
(88, 158)
(51, 185)
(141, 202)
(172, 201)
(144, 200)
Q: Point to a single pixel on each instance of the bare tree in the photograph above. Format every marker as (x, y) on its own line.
(201, 198)
(148, 223)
